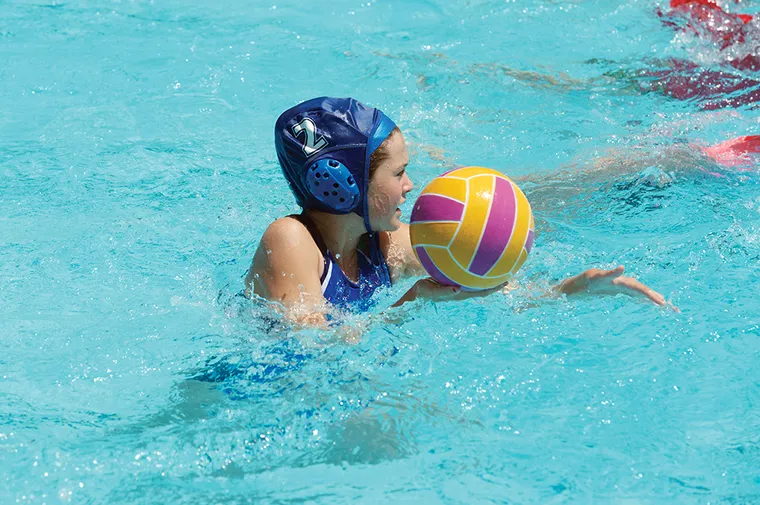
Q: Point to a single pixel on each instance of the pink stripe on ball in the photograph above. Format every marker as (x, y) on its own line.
(436, 208)
(499, 227)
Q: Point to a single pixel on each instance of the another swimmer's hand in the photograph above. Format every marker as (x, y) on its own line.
(609, 282)
(429, 289)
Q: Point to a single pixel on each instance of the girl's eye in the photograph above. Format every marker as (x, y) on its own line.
(401, 173)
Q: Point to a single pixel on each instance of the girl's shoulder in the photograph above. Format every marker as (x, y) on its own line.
(287, 232)
(287, 242)
(287, 254)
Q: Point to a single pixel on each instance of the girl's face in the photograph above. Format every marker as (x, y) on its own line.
(389, 186)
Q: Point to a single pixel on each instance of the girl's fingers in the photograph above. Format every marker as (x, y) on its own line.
(638, 288)
(615, 272)
(656, 297)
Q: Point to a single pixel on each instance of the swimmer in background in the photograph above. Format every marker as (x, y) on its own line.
(736, 38)
(707, 19)
(346, 164)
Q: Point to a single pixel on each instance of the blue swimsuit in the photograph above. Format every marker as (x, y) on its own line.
(337, 288)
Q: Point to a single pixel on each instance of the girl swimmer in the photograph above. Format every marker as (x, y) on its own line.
(346, 164)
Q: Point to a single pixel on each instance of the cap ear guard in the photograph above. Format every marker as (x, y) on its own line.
(332, 184)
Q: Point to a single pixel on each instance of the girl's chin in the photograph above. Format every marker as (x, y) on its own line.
(391, 223)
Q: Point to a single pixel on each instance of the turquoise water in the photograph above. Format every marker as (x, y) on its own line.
(137, 173)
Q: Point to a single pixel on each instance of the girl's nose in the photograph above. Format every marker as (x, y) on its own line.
(409, 185)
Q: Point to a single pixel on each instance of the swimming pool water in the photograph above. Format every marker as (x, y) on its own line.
(137, 173)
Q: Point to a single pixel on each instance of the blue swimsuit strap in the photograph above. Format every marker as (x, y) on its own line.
(376, 256)
(316, 236)
(378, 260)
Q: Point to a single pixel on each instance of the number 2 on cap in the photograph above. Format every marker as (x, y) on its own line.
(313, 144)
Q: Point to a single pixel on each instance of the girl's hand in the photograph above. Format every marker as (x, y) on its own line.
(429, 289)
(608, 282)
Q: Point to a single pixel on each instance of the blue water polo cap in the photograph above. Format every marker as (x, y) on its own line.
(324, 146)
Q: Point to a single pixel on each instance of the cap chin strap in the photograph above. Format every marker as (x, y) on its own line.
(380, 131)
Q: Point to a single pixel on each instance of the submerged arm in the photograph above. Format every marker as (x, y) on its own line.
(593, 281)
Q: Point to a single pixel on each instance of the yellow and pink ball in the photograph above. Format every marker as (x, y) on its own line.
(472, 227)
